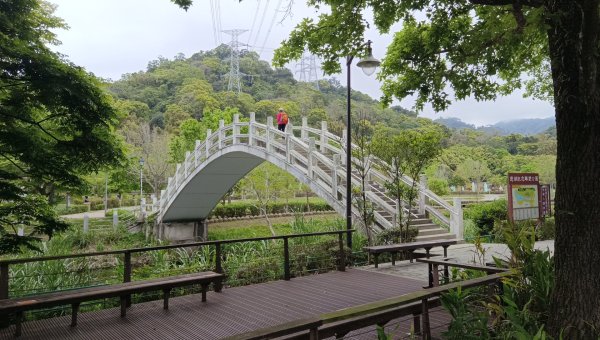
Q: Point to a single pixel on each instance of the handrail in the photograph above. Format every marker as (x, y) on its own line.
(171, 246)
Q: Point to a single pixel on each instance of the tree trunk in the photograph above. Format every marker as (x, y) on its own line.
(573, 42)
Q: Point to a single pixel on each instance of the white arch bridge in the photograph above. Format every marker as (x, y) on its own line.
(313, 156)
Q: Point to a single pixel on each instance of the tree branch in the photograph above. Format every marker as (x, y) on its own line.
(528, 3)
(32, 122)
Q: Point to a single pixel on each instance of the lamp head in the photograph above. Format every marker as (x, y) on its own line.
(370, 63)
(141, 161)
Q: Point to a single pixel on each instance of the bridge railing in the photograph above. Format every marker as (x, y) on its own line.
(319, 154)
(446, 214)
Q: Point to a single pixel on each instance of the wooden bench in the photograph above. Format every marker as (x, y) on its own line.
(433, 269)
(123, 290)
(410, 247)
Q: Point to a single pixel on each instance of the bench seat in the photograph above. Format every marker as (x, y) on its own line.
(410, 247)
(123, 290)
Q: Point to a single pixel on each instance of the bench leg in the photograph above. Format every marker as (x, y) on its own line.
(166, 293)
(430, 272)
(393, 258)
(436, 275)
(417, 324)
(427, 251)
(376, 260)
(18, 323)
(218, 286)
(74, 312)
(411, 255)
(204, 289)
(123, 306)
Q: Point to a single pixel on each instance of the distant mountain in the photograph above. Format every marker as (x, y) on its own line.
(454, 123)
(525, 127)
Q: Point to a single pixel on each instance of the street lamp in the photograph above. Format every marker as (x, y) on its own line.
(141, 183)
(368, 65)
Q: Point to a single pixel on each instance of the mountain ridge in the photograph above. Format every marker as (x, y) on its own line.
(525, 126)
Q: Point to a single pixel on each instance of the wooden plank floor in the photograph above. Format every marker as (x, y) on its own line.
(235, 310)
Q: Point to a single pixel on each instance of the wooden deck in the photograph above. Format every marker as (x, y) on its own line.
(235, 310)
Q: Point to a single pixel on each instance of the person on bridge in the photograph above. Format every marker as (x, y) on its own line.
(282, 119)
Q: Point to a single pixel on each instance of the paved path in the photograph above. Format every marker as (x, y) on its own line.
(464, 253)
(95, 213)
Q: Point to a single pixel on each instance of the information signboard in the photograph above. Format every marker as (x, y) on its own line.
(523, 196)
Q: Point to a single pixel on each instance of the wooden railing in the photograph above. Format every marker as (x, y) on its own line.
(218, 255)
(341, 322)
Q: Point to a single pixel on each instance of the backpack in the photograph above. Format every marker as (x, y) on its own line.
(284, 118)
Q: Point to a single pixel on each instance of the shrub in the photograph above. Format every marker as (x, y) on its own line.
(438, 186)
(242, 209)
(546, 230)
(73, 209)
(485, 214)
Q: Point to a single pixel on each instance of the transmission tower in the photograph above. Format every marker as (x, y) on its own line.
(234, 62)
(307, 69)
(312, 71)
(301, 68)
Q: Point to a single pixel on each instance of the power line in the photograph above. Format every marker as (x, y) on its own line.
(262, 19)
(214, 23)
(271, 26)
(253, 21)
(218, 11)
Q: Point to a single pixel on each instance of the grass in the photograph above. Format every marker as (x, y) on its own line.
(257, 228)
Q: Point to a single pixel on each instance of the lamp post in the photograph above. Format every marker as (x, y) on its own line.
(141, 183)
(368, 65)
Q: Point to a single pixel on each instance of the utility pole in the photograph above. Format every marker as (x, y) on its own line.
(234, 62)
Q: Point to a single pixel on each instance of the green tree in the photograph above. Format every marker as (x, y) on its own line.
(482, 48)
(56, 123)
(362, 133)
(473, 171)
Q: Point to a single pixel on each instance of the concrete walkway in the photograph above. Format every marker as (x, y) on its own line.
(464, 253)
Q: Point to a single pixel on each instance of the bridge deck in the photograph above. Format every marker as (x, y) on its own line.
(234, 311)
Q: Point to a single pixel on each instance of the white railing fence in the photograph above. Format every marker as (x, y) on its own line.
(318, 154)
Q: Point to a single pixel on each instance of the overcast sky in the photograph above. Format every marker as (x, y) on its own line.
(113, 37)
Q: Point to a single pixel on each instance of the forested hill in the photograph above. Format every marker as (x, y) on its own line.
(173, 103)
(170, 91)
(526, 127)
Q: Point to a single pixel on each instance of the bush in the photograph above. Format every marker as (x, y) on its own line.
(485, 214)
(438, 186)
(73, 209)
(242, 209)
(547, 230)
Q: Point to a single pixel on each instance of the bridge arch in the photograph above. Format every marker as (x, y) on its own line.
(203, 188)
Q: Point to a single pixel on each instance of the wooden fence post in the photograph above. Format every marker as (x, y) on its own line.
(3, 281)
(286, 259)
(127, 272)
(218, 266)
(342, 256)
